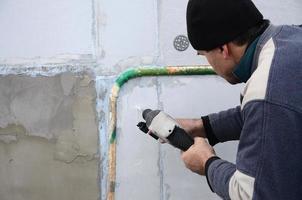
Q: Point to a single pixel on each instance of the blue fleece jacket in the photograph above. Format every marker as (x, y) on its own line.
(268, 124)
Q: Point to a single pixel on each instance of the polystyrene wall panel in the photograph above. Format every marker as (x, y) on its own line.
(43, 28)
(173, 23)
(138, 174)
(281, 12)
(149, 170)
(190, 97)
(129, 29)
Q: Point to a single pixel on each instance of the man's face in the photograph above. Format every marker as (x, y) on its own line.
(222, 65)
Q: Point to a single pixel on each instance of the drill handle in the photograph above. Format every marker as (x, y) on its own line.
(180, 139)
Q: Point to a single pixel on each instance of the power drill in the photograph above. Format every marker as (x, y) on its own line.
(160, 125)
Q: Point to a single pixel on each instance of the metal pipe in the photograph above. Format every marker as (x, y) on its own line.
(120, 81)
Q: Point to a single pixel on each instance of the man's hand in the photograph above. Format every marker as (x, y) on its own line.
(194, 127)
(197, 155)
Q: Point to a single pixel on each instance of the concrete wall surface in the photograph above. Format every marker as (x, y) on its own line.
(48, 137)
(58, 62)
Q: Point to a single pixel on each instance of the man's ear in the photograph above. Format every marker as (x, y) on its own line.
(225, 50)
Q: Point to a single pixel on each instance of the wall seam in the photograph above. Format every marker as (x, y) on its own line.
(157, 28)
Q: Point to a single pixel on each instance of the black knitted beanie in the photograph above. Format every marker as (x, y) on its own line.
(212, 23)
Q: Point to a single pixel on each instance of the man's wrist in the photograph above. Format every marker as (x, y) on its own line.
(198, 130)
(207, 165)
(209, 134)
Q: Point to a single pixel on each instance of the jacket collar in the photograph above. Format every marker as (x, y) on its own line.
(243, 70)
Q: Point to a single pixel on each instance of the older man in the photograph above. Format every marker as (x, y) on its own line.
(243, 47)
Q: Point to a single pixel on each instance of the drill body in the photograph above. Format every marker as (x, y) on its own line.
(162, 126)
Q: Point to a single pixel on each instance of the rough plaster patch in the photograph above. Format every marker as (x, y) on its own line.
(11, 133)
(63, 118)
(44, 105)
(54, 108)
(35, 102)
(67, 82)
(13, 129)
(48, 137)
(30, 172)
(8, 138)
(85, 129)
(67, 147)
(5, 117)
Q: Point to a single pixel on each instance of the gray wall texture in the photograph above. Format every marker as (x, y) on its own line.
(48, 137)
(58, 61)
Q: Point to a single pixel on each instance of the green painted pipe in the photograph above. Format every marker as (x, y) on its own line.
(120, 81)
